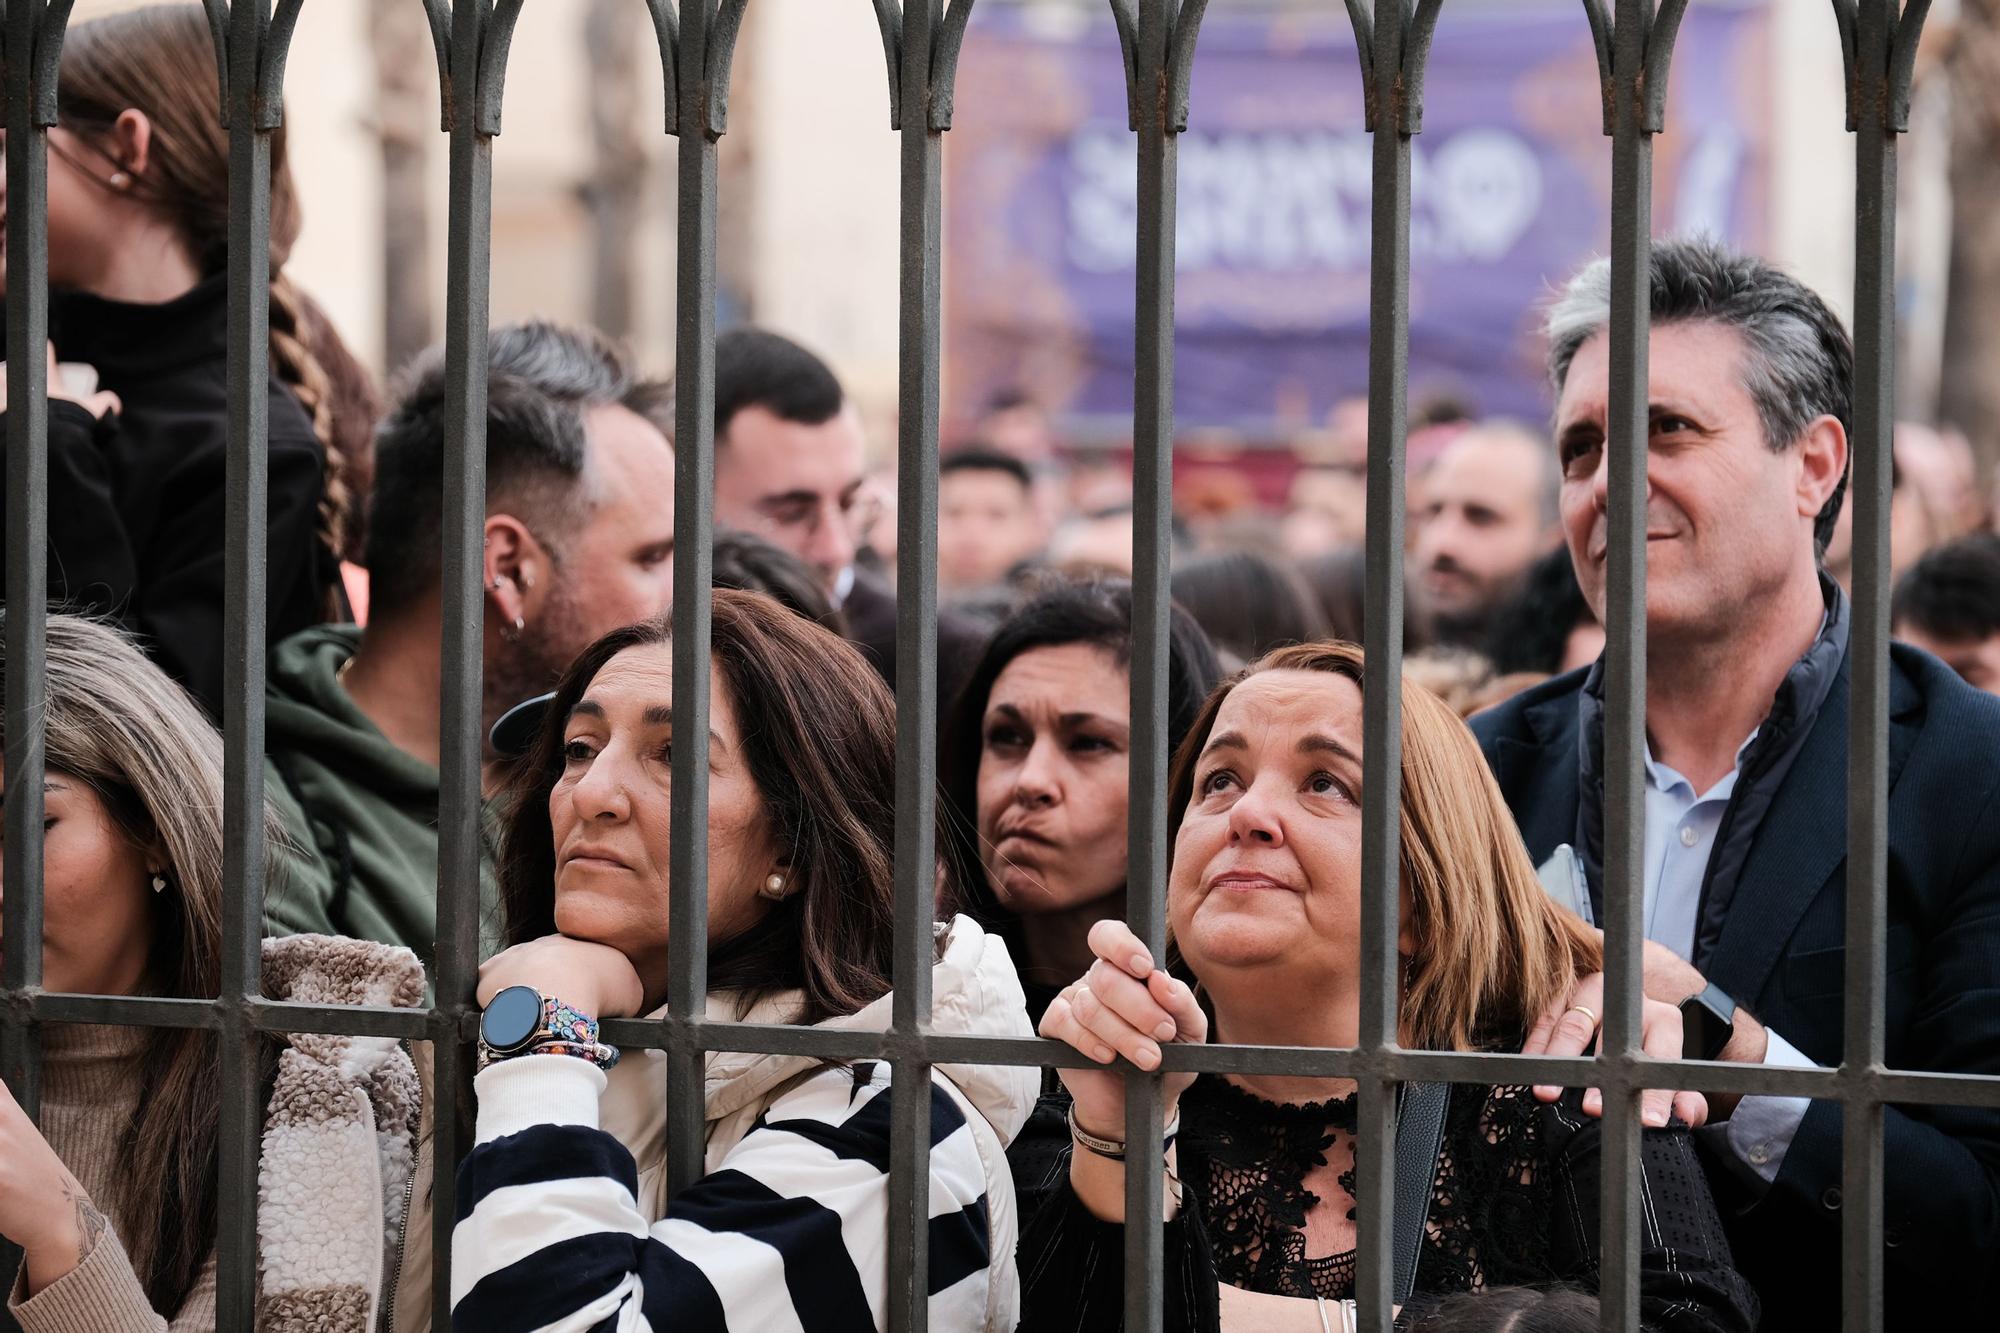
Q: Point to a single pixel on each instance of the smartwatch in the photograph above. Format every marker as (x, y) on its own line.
(512, 1021)
(522, 1021)
(1707, 1020)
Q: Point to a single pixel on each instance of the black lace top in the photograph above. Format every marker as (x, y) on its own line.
(1514, 1202)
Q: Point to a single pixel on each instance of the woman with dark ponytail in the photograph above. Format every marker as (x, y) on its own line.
(138, 193)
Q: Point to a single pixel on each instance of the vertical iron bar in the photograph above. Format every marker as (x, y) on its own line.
(916, 665)
(1152, 499)
(694, 518)
(1382, 704)
(27, 564)
(245, 550)
(1868, 702)
(1625, 683)
(468, 270)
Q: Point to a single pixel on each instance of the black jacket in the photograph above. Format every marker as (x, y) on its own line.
(136, 501)
(1780, 953)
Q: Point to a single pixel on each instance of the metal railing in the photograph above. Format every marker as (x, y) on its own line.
(921, 41)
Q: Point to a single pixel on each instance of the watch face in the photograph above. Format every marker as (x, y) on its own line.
(1705, 1032)
(514, 1016)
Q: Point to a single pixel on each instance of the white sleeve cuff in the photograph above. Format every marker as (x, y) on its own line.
(1761, 1129)
(1779, 1052)
(529, 1090)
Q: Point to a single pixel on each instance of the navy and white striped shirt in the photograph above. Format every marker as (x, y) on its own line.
(788, 1231)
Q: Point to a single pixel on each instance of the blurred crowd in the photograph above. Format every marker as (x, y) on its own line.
(562, 1211)
(1491, 602)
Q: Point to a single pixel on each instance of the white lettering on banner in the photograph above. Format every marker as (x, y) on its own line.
(1708, 184)
(1279, 202)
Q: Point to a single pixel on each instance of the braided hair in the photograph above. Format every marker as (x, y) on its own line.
(161, 60)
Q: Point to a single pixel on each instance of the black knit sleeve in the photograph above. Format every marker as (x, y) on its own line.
(1072, 1265)
(180, 607)
(1073, 1271)
(1688, 1282)
(91, 567)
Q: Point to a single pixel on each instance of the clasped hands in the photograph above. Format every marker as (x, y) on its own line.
(1570, 1026)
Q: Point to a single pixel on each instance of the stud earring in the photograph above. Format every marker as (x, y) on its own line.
(159, 883)
(527, 580)
(774, 888)
(119, 180)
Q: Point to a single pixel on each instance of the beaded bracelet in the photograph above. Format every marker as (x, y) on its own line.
(597, 1052)
(567, 1023)
(567, 1031)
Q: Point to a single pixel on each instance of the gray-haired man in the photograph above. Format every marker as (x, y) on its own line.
(1749, 403)
(579, 540)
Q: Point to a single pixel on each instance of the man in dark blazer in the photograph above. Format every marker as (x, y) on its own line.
(1748, 679)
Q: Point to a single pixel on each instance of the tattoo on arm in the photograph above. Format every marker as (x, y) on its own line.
(90, 1223)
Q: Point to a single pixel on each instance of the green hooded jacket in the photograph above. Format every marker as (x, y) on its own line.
(366, 811)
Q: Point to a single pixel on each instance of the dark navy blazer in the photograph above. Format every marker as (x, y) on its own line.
(1781, 954)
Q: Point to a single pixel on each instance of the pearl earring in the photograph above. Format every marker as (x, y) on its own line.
(774, 888)
(159, 883)
(119, 180)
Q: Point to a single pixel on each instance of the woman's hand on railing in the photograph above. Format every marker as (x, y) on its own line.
(1123, 1005)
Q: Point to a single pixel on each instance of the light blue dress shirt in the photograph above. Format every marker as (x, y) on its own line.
(1680, 835)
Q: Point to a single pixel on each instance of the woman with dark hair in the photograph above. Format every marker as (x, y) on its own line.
(1548, 627)
(1339, 582)
(1034, 767)
(564, 1219)
(739, 560)
(115, 1199)
(138, 213)
(1263, 910)
(748, 563)
(1248, 603)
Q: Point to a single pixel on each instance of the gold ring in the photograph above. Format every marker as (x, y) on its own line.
(1588, 1012)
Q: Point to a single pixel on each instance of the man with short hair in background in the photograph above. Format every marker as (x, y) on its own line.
(790, 467)
(987, 521)
(578, 540)
(1948, 604)
(1744, 846)
(1489, 512)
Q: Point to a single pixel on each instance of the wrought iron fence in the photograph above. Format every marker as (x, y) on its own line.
(921, 40)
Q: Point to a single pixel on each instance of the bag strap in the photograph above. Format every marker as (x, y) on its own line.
(1419, 1135)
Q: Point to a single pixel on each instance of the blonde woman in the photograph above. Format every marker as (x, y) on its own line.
(1263, 908)
(114, 1198)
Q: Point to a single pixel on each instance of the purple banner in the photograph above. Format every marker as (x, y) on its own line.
(1510, 192)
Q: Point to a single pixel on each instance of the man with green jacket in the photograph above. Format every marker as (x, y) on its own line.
(579, 539)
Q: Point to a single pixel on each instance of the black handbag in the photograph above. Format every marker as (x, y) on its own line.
(1419, 1134)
